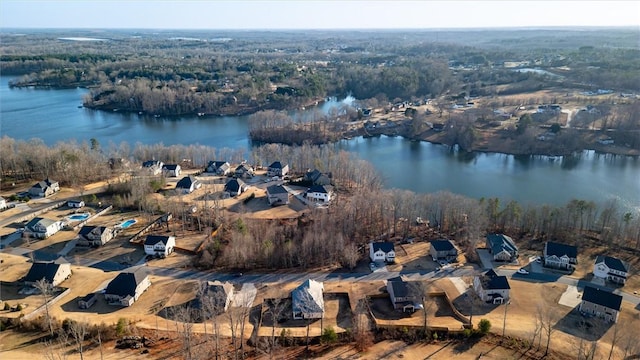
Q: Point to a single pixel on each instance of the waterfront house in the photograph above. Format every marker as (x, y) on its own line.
(277, 195)
(501, 247)
(244, 171)
(560, 256)
(600, 303)
(42, 228)
(307, 300)
(126, 288)
(95, 235)
(277, 169)
(443, 250)
(153, 167)
(320, 193)
(188, 184)
(492, 287)
(171, 170)
(611, 269)
(382, 252)
(53, 272)
(315, 177)
(44, 188)
(221, 168)
(235, 187)
(159, 245)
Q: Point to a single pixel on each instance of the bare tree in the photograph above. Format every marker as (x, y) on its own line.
(78, 331)
(362, 326)
(548, 318)
(45, 289)
(420, 290)
(276, 308)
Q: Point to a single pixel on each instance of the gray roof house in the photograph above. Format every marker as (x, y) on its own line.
(53, 272)
(154, 167)
(308, 300)
(277, 195)
(95, 235)
(277, 169)
(219, 294)
(492, 287)
(42, 228)
(44, 188)
(244, 171)
(611, 269)
(188, 184)
(218, 167)
(402, 296)
(560, 256)
(501, 247)
(600, 303)
(127, 287)
(443, 249)
(317, 178)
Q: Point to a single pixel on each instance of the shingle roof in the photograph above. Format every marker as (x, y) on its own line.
(42, 270)
(154, 239)
(150, 163)
(276, 189)
(185, 182)
(170, 166)
(400, 287)
(44, 183)
(384, 246)
(603, 298)
(308, 298)
(86, 230)
(233, 185)
(42, 221)
(318, 189)
(613, 263)
(492, 281)
(501, 242)
(217, 164)
(276, 165)
(125, 283)
(559, 250)
(442, 245)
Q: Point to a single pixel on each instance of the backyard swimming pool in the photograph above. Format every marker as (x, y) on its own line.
(79, 216)
(128, 223)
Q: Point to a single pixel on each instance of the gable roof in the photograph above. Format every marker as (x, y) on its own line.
(244, 168)
(170, 166)
(234, 185)
(87, 229)
(186, 182)
(384, 246)
(308, 298)
(501, 242)
(442, 245)
(154, 239)
(218, 164)
(601, 297)
(613, 263)
(125, 283)
(277, 189)
(215, 291)
(42, 270)
(42, 221)
(318, 189)
(559, 250)
(276, 165)
(151, 163)
(492, 281)
(400, 287)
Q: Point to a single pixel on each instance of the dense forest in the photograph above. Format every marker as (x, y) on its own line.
(173, 73)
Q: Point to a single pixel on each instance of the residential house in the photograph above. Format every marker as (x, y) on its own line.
(188, 184)
(402, 296)
(382, 251)
(244, 171)
(159, 245)
(605, 140)
(443, 249)
(75, 203)
(44, 188)
(277, 169)
(560, 256)
(611, 269)
(221, 168)
(235, 187)
(53, 272)
(315, 177)
(3, 203)
(501, 247)
(600, 303)
(42, 228)
(95, 235)
(220, 294)
(492, 287)
(87, 301)
(549, 109)
(126, 288)
(307, 300)
(153, 167)
(171, 170)
(320, 193)
(277, 195)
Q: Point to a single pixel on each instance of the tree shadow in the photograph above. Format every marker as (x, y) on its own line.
(469, 303)
(585, 327)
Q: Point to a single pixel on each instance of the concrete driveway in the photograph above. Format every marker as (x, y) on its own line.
(485, 258)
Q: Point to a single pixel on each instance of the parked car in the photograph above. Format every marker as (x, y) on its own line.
(372, 266)
(523, 272)
(442, 263)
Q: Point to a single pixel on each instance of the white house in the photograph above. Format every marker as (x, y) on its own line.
(154, 167)
(501, 247)
(53, 273)
(277, 169)
(320, 193)
(75, 203)
(235, 187)
(600, 303)
(3, 203)
(44, 188)
(611, 269)
(158, 245)
(171, 170)
(221, 168)
(560, 256)
(382, 252)
(491, 287)
(95, 235)
(277, 195)
(307, 300)
(244, 171)
(188, 184)
(42, 228)
(126, 288)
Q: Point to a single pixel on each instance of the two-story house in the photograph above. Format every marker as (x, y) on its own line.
(244, 171)
(307, 300)
(443, 250)
(126, 288)
(53, 273)
(277, 195)
(600, 303)
(402, 295)
(611, 269)
(44, 188)
(501, 247)
(188, 184)
(320, 193)
(95, 235)
(42, 228)
(560, 256)
(221, 168)
(492, 287)
(171, 170)
(382, 252)
(235, 187)
(315, 177)
(277, 169)
(159, 245)
(153, 167)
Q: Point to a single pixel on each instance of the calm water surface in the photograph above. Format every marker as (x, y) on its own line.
(53, 116)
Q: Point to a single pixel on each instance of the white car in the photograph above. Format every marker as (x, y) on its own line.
(523, 272)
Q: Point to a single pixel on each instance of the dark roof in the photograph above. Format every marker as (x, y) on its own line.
(88, 297)
(613, 263)
(85, 230)
(501, 242)
(318, 189)
(233, 185)
(43, 221)
(216, 164)
(601, 297)
(560, 250)
(150, 163)
(185, 182)
(276, 165)
(384, 246)
(277, 189)
(400, 287)
(442, 245)
(125, 283)
(492, 281)
(154, 239)
(42, 270)
(170, 167)
(243, 168)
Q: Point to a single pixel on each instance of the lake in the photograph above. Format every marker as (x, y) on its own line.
(54, 115)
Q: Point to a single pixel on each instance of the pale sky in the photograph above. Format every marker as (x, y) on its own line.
(301, 14)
